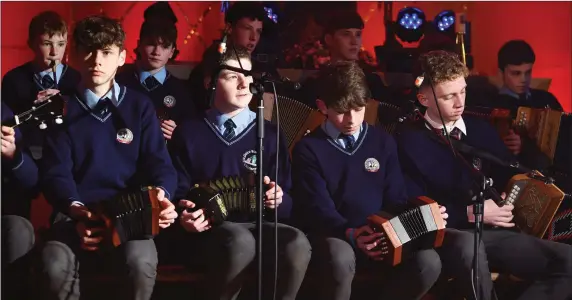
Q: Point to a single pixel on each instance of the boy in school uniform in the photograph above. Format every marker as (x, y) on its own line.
(343, 172)
(155, 48)
(21, 86)
(515, 61)
(111, 142)
(432, 170)
(245, 20)
(19, 187)
(343, 38)
(222, 143)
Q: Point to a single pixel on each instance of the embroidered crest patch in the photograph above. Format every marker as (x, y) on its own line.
(249, 160)
(124, 136)
(371, 165)
(169, 101)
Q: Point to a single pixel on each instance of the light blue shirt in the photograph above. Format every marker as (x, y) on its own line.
(59, 71)
(334, 133)
(91, 99)
(241, 120)
(506, 91)
(161, 75)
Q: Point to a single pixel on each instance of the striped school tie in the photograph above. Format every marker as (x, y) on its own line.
(47, 81)
(229, 130)
(349, 140)
(151, 82)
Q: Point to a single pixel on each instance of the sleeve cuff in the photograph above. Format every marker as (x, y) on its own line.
(167, 195)
(17, 161)
(77, 202)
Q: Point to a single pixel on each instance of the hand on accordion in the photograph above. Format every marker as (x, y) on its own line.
(367, 240)
(168, 126)
(495, 215)
(273, 194)
(513, 142)
(444, 214)
(193, 221)
(168, 215)
(87, 227)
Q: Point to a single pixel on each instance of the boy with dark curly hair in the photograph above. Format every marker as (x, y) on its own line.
(110, 142)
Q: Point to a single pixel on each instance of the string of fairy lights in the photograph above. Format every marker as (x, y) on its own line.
(193, 31)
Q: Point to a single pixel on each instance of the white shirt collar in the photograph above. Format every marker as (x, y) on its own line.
(458, 124)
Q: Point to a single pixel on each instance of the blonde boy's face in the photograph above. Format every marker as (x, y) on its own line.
(233, 88)
(49, 48)
(450, 96)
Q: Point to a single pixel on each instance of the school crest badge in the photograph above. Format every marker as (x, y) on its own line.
(124, 136)
(371, 165)
(169, 101)
(249, 160)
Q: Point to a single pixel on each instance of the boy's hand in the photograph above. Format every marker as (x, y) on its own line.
(272, 201)
(168, 126)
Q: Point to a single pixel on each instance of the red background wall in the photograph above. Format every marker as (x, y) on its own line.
(547, 26)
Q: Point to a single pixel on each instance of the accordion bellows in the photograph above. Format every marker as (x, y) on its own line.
(129, 216)
(535, 203)
(222, 197)
(418, 227)
(298, 119)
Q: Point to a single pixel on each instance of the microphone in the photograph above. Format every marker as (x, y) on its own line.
(266, 77)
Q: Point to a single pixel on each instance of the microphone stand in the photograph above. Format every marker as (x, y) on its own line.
(482, 182)
(257, 90)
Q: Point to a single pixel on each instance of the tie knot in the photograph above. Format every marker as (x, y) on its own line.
(151, 82)
(47, 81)
(229, 124)
(102, 105)
(349, 140)
(454, 133)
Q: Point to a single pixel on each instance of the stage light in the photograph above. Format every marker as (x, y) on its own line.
(410, 24)
(445, 21)
(272, 16)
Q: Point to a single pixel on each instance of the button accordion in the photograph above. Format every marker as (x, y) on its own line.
(129, 216)
(420, 226)
(536, 200)
(550, 129)
(226, 197)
